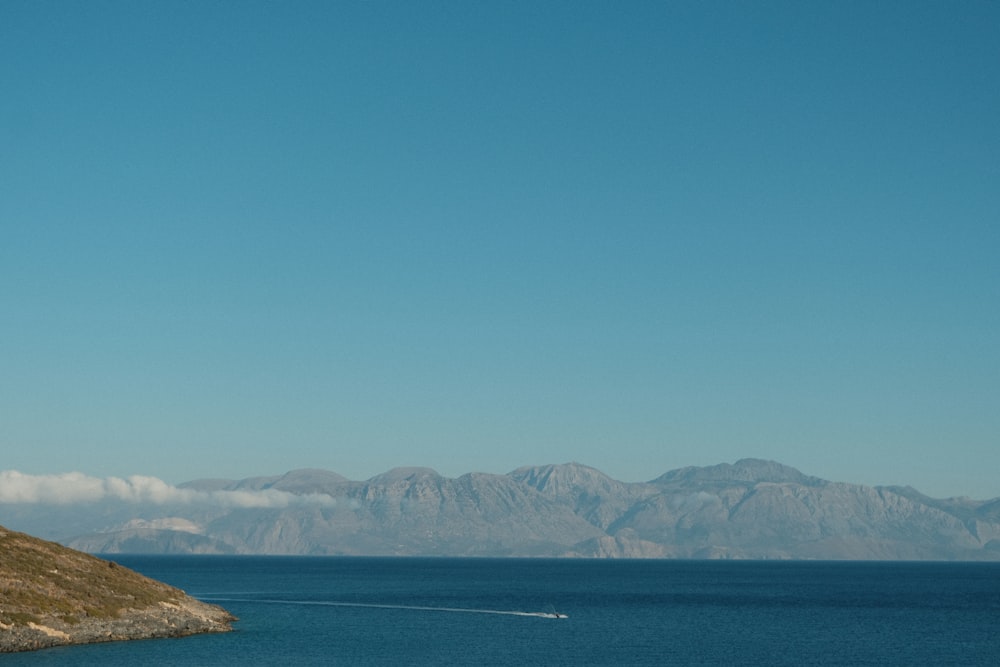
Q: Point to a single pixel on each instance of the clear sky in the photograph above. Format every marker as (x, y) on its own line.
(238, 238)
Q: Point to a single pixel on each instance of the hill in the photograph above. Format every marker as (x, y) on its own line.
(51, 595)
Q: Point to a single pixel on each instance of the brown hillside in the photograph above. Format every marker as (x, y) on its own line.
(52, 595)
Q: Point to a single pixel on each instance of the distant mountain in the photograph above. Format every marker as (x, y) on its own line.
(744, 470)
(749, 509)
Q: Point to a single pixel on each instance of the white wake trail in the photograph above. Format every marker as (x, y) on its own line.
(371, 605)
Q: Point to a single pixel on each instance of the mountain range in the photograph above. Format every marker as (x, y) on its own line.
(749, 509)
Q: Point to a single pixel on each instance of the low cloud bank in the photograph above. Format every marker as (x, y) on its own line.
(75, 487)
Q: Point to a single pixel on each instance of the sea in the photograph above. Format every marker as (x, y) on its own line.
(484, 611)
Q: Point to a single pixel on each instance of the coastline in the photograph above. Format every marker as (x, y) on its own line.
(165, 620)
(51, 595)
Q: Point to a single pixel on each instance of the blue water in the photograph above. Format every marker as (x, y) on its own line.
(382, 611)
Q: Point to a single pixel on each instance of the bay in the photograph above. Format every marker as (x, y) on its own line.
(454, 611)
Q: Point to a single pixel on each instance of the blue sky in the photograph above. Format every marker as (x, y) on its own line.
(238, 238)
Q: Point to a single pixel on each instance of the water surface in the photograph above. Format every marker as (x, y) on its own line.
(444, 611)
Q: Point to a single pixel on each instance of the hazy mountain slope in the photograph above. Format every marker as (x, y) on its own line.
(403, 511)
(744, 470)
(590, 493)
(749, 509)
(787, 520)
(306, 480)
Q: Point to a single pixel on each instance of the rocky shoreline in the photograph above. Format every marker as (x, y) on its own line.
(54, 596)
(168, 619)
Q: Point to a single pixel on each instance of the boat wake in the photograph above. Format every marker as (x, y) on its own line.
(370, 605)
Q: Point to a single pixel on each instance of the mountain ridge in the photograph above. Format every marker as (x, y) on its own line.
(752, 508)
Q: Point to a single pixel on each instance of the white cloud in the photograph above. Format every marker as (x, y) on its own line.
(74, 487)
(175, 523)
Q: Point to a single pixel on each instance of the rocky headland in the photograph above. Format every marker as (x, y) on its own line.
(51, 595)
